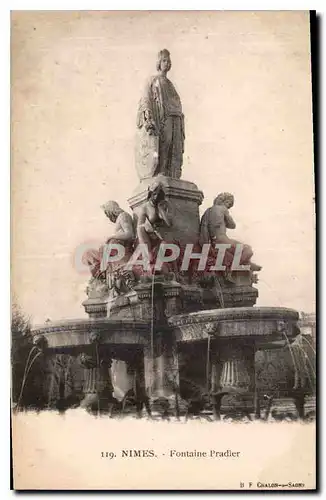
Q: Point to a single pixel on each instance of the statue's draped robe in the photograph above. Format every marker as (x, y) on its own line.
(161, 153)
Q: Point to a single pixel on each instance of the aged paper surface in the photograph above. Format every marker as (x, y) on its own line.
(244, 79)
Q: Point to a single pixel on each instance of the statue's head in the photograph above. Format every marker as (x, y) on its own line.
(163, 61)
(226, 199)
(111, 210)
(156, 193)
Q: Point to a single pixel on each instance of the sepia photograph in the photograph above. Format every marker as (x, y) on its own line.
(163, 308)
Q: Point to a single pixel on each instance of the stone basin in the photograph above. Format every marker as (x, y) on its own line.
(80, 332)
(259, 324)
(233, 335)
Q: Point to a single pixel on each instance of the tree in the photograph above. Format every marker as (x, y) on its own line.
(21, 344)
(20, 324)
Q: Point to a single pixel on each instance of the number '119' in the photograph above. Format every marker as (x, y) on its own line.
(107, 454)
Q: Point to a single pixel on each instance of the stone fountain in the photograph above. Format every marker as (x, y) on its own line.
(185, 335)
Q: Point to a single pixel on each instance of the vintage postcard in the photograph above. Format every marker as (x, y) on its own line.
(163, 250)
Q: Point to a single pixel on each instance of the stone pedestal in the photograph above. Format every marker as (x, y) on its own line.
(162, 374)
(233, 378)
(98, 386)
(184, 198)
(237, 373)
(215, 373)
(136, 394)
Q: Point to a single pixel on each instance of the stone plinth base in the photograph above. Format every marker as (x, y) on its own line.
(232, 296)
(184, 198)
(224, 291)
(170, 298)
(96, 308)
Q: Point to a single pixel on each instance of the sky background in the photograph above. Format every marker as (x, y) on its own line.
(245, 85)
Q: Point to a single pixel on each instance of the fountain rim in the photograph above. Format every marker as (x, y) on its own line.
(88, 324)
(235, 314)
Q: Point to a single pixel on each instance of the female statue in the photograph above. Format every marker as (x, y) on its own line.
(160, 124)
(153, 216)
